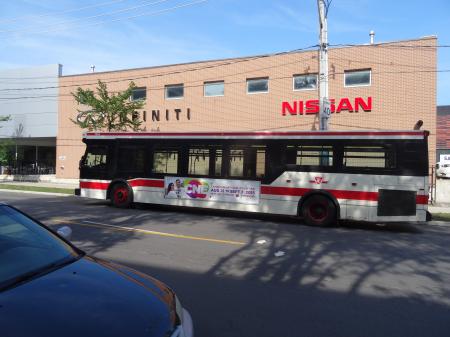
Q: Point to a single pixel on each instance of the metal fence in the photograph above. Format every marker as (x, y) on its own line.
(29, 170)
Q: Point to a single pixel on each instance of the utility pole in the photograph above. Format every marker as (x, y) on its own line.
(324, 112)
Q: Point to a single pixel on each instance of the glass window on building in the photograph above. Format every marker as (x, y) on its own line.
(257, 85)
(212, 89)
(353, 78)
(139, 94)
(305, 82)
(175, 91)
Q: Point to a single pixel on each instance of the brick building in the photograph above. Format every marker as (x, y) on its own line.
(443, 130)
(378, 86)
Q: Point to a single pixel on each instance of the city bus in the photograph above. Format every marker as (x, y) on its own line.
(320, 176)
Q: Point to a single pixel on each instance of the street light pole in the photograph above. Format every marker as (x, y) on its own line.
(324, 110)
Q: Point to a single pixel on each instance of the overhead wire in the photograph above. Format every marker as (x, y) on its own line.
(154, 13)
(204, 67)
(78, 9)
(31, 28)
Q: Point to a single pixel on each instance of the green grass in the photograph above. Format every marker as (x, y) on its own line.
(37, 189)
(441, 216)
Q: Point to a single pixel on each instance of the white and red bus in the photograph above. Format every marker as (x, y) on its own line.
(323, 177)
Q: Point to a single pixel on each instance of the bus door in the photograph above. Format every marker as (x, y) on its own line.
(131, 161)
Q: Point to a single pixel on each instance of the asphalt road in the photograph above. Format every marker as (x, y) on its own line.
(355, 280)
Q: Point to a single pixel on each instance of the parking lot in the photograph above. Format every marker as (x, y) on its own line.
(254, 275)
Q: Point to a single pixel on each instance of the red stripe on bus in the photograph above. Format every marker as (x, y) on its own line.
(338, 194)
(273, 190)
(147, 183)
(94, 185)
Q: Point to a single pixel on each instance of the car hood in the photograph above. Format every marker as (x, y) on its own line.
(89, 297)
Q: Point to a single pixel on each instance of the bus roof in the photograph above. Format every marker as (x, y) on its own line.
(386, 134)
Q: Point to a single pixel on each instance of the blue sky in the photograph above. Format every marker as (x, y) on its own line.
(36, 32)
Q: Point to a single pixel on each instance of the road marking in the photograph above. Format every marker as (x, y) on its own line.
(149, 232)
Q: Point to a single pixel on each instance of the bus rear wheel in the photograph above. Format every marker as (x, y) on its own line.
(319, 210)
(121, 196)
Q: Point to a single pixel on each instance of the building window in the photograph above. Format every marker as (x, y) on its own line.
(139, 94)
(305, 82)
(257, 85)
(355, 78)
(211, 89)
(175, 91)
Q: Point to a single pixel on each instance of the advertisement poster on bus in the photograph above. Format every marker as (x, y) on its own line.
(236, 191)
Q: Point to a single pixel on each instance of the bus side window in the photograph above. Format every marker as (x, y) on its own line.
(248, 162)
(165, 161)
(305, 155)
(131, 159)
(218, 160)
(198, 161)
(95, 157)
(369, 157)
(236, 162)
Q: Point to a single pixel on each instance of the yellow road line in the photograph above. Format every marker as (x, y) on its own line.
(149, 232)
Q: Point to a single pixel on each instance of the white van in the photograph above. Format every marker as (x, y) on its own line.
(443, 170)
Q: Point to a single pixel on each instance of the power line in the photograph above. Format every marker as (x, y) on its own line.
(61, 12)
(237, 82)
(210, 66)
(154, 13)
(28, 29)
(388, 45)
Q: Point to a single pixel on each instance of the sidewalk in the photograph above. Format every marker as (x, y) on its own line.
(439, 208)
(41, 184)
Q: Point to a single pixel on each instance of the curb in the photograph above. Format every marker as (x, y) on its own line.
(35, 192)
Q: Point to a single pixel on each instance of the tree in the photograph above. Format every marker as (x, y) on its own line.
(6, 152)
(113, 112)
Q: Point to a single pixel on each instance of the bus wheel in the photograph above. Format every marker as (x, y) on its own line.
(121, 196)
(319, 210)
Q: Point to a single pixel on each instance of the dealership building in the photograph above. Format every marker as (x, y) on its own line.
(29, 97)
(388, 86)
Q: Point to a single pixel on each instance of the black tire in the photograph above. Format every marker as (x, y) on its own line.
(319, 210)
(121, 195)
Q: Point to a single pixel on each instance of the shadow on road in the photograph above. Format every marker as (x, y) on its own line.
(289, 280)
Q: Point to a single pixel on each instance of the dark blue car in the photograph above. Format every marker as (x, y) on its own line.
(49, 288)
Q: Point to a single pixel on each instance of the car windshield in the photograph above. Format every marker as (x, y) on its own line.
(28, 249)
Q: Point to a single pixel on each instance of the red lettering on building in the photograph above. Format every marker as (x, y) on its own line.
(311, 107)
(366, 106)
(344, 104)
(291, 109)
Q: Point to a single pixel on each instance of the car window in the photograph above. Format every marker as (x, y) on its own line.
(25, 246)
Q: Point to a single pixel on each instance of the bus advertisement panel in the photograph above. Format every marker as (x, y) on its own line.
(236, 191)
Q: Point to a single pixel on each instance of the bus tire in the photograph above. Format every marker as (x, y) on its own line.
(121, 195)
(319, 210)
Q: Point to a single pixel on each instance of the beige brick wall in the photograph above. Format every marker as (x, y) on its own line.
(403, 90)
